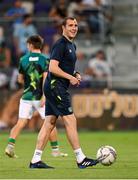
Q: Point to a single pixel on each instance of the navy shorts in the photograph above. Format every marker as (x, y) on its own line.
(58, 101)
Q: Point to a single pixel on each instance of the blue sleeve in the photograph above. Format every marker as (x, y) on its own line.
(13, 11)
(10, 12)
(57, 52)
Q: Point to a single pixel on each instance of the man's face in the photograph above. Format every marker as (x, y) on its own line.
(18, 4)
(70, 29)
(28, 20)
(100, 56)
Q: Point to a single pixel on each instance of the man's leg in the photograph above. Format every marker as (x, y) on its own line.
(72, 134)
(53, 138)
(42, 140)
(13, 135)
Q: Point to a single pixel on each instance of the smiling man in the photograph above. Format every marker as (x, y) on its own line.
(60, 76)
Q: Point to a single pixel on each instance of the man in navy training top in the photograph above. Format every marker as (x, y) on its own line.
(60, 76)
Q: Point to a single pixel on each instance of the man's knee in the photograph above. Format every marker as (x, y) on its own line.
(69, 120)
(51, 120)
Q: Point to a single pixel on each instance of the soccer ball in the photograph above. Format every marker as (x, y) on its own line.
(106, 155)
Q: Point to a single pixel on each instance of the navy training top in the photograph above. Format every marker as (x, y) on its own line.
(63, 51)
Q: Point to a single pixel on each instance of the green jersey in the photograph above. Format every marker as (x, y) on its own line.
(32, 66)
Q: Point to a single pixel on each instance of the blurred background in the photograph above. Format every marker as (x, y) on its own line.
(107, 52)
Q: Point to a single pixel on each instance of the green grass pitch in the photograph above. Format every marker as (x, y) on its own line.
(126, 166)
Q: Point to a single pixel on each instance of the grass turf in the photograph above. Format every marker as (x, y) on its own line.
(126, 166)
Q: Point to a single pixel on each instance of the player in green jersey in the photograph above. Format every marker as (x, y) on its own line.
(32, 72)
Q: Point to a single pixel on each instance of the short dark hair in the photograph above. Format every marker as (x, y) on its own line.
(67, 18)
(36, 40)
(26, 16)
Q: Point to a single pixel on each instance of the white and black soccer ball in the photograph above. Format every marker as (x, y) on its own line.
(106, 155)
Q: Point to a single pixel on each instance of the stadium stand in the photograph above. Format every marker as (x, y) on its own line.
(120, 46)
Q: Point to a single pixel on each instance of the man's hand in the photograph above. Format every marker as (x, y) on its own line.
(78, 76)
(74, 81)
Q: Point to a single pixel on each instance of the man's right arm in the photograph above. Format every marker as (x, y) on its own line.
(56, 70)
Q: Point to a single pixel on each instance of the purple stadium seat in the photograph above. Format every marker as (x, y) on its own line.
(48, 33)
(41, 7)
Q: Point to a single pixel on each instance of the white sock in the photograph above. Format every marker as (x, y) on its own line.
(11, 146)
(37, 156)
(79, 155)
